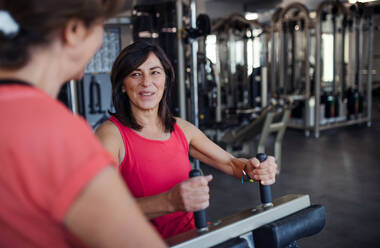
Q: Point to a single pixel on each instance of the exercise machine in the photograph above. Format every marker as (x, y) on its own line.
(273, 224)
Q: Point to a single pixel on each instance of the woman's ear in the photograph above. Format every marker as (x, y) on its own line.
(74, 32)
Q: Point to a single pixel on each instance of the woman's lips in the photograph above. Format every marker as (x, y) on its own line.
(146, 93)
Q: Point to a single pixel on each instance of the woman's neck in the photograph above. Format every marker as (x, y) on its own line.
(42, 71)
(152, 126)
(146, 117)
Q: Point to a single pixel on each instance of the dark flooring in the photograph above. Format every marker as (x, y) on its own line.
(340, 170)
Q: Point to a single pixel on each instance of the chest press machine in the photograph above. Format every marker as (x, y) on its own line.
(272, 224)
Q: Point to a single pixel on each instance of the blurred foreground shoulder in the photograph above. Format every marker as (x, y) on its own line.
(106, 215)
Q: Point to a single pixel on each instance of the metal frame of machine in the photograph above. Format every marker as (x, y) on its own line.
(358, 31)
(361, 30)
(240, 223)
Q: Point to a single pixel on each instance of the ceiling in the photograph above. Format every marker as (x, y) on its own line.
(249, 4)
(223, 8)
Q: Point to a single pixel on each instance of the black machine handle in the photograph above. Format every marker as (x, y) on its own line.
(265, 190)
(199, 216)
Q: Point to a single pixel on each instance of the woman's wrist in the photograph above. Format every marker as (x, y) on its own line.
(238, 166)
(168, 202)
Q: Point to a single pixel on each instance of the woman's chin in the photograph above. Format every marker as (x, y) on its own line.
(78, 75)
(148, 107)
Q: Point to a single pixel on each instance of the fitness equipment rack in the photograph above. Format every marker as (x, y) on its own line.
(360, 27)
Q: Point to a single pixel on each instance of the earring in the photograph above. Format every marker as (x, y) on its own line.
(123, 89)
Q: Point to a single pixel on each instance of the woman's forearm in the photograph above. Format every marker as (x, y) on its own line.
(155, 206)
(224, 161)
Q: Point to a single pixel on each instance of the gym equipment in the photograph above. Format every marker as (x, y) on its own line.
(202, 28)
(241, 64)
(342, 100)
(95, 97)
(271, 119)
(161, 22)
(290, 59)
(354, 103)
(331, 34)
(276, 224)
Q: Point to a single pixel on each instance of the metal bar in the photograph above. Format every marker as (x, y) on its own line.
(307, 61)
(343, 124)
(264, 86)
(330, 125)
(74, 96)
(317, 111)
(219, 91)
(273, 63)
(241, 223)
(194, 71)
(231, 99)
(369, 71)
(293, 75)
(181, 62)
(245, 82)
(357, 53)
(279, 138)
(282, 61)
(360, 54)
(276, 126)
(334, 54)
(342, 64)
(265, 132)
(264, 73)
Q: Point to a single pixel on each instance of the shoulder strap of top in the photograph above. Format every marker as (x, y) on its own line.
(181, 135)
(120, 126)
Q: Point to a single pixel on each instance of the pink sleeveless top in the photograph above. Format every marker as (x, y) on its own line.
(151, 167)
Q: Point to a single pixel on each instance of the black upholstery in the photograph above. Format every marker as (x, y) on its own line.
(282, 232)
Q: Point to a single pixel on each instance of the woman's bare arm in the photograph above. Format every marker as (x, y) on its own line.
(112, 140)
(202, 148)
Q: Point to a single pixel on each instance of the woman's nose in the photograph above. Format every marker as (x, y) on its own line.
(147, 80)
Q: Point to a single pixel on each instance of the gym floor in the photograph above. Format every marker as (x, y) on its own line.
(340, 170)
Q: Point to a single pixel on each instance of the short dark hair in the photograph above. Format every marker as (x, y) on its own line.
(40, 20)
(129, 59)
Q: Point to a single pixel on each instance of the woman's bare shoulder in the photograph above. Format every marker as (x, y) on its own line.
(182, 123)
(187, 128)
(107, 130)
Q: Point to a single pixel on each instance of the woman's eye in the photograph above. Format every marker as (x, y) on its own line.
(156, 72)
(136, 74)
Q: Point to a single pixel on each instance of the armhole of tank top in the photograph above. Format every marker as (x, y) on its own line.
(182, 134)
(118, 125)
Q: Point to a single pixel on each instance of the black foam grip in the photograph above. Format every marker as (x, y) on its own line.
(200, 219)
(199, 216)
(279, 234)
(265, 190)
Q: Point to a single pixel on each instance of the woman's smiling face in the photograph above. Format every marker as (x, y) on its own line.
(146, 84)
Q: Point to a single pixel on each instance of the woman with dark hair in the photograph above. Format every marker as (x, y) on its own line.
(152, 147)
(58, 186)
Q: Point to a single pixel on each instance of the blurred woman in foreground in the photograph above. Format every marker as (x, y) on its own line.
(58, 186)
